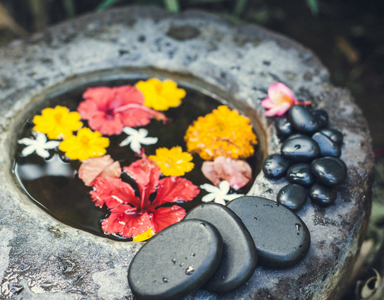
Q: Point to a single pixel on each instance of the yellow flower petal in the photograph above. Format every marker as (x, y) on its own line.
(144, 236)
(173, 162)
(85, 145)
(160, 95)
(223, 132)
(57, 122)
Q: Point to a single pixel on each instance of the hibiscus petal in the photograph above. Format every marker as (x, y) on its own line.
(172, 189)
(126, 221)
(111, 171)
(99, 97)
(279, 92)
(106, 125)
(146, 174)
(166, 216)
(91, 168)
(113, 192)
(209, 172)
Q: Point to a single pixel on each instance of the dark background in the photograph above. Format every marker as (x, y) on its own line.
(347, 36)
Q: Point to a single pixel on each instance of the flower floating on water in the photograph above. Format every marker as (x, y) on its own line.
(57, 122)
(236, 172)
(38, 145)
(99, 167)
(223, 132)
(161, 95)
(109, 110)
(173, 162)
(84, 145)
(218, 194)
(136, 138)
(132, 215)
(280, 99)
(144, 236)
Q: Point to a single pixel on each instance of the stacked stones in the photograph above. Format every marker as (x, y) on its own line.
(217, 248)
(309, 158)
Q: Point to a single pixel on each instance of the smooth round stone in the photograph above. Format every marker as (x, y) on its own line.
(275, 166)
(329, 170)
(300, 149)
(322, 117)
(281, 237)
(334, 135)
(301, 174)
(322, 195)
(326, 145)
(284, 128)
(292, 196)
(239, 252)
(303, 120)
(176, 261)
(296, 135)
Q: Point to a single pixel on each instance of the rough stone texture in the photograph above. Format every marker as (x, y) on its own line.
(41, 258)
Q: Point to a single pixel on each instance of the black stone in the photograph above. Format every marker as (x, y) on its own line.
(322, 195)
(300, 149)
(284, 128)
(292, 196)
(281, 237)
(301, 174)
(239, 252)
(334, 135)
(176, 261)
(275, 166)
(326, 145)
(296, 135)
(329, 170)
(303, 120)
(322, 117)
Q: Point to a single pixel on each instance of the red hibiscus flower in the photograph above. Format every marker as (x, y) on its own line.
(132, 215)
(109, 110)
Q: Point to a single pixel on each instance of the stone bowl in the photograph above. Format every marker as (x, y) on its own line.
(42, 258)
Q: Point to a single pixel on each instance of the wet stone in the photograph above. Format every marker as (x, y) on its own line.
(275, 166)
(303, 120)
(281, 237)
(322, 195)
(329, 170)
(239, 257)
(284, 128)
(334, 135)
(292, 196)
(326, 145)
(301, 174)
(300, 149)
(296, 135)
(322, 117)
(176, 261)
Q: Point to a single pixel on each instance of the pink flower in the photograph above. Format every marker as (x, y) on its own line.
(280, 99)
(109, 110)
(236, 172)
(95, 167)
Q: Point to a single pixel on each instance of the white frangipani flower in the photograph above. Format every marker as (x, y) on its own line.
(136, 138)
(218, 194)
(38, 145)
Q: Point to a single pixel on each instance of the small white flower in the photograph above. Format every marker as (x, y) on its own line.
(218, 194)
(38, 145)
(136, 138)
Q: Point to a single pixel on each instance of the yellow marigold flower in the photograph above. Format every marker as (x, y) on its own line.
(57, 122)
(144, 236)
(85, 145)
(173, 162)
(223, 132)
(160, 95)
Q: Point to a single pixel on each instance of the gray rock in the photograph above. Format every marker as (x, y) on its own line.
(44, 259)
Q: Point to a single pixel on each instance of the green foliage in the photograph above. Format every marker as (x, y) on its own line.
(106, 4)
(312, 4)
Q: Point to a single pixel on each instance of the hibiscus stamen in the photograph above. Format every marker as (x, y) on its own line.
(157, 115)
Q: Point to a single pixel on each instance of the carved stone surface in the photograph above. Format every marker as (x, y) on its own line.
(41, 258)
